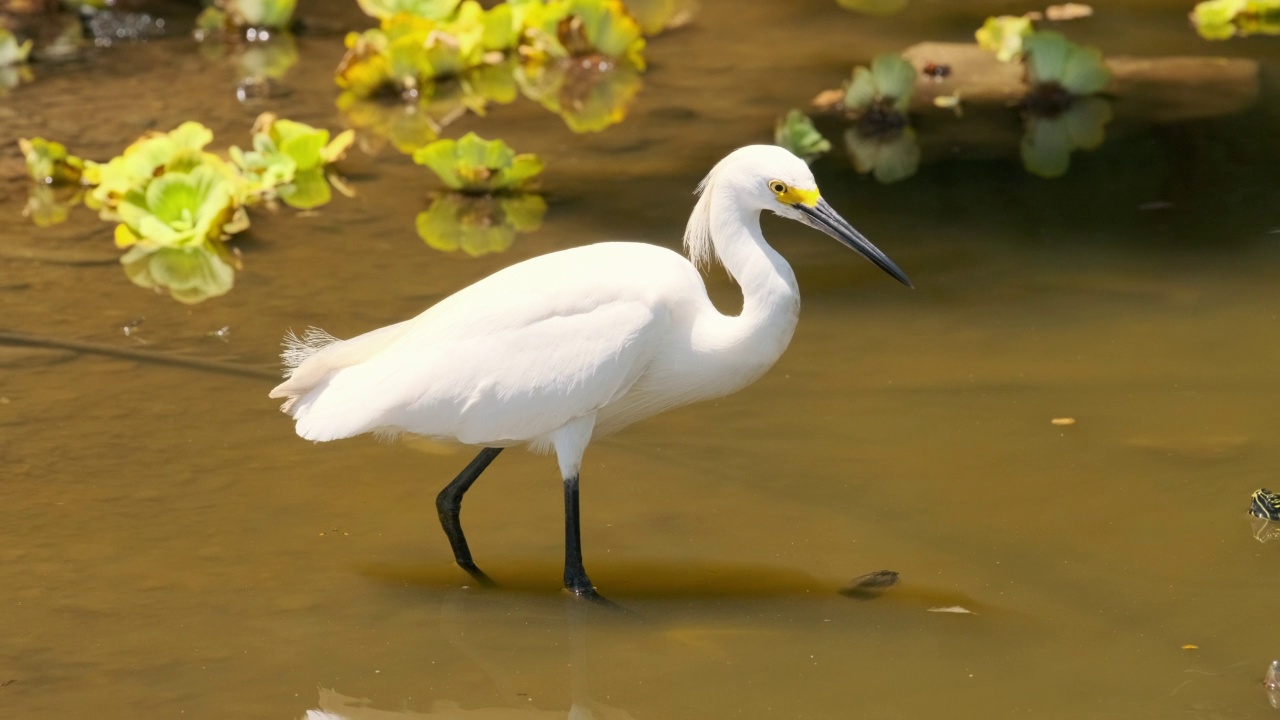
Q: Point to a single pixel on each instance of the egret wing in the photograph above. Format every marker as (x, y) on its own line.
(495, 383)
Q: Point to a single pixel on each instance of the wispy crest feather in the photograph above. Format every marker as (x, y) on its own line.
(298, 349)
(697, 234)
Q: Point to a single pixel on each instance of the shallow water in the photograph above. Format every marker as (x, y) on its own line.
(171, 549)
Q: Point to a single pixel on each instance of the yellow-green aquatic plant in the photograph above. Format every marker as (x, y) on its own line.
(13, 52)
(1004, 35)
(147, 158)
(288, 160)
(188, 274)
(558, 29)
(796, 133)
(1222, 19)
(1051, 59)
(409, 52)
(429, 9)
(589, 96)
(655, 16)
(474, 165)
(479, 225)
(885, 87)
(237, 14)
(49, 162)
(181, 209)
(1049, 141)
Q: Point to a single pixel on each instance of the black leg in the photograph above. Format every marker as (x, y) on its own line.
(575, 576)
(449, 506)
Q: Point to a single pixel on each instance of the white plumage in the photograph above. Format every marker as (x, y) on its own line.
(577, 344)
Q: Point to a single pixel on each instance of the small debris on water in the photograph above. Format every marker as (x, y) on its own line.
(131, 328)
(828, 98)
(1067, 11)
(1156, 205)
(937, 71)
(865, 587)
(223, 333)
(1062, 421)
(949, 102)
(953, 609)
(1190, 647)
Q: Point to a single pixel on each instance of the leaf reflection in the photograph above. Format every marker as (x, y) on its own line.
(1049, 140)
(188, 274)
(890, 156)
(479, 225)
(588, 93)
(48, 205)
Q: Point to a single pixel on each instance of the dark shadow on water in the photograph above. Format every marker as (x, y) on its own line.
(638, 580)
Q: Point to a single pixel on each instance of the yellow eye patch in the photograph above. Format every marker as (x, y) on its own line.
(794, 195)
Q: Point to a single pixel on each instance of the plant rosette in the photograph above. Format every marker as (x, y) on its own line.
(49, 163)
(181, 209)
(579, 28)
(288, 153)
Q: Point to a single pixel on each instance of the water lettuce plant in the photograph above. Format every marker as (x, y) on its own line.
(883, 88)
(1222, 19)
(244, 14)
(1053, 60)
(558, 29)
(429, 9)
(13, 52)
(148, 157)
(796, 133)
(49, 163)
(1004, 35)
(474, 165)
(655, 16)
(1062, 111)
(409, 52)
(188, 274)
(478, 225)
(181, 209)
(288, 160)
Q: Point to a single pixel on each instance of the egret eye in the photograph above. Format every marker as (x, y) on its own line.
(777, 186)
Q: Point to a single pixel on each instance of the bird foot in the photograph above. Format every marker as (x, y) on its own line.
(477, 574)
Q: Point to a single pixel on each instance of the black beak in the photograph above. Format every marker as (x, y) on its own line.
(823, 217)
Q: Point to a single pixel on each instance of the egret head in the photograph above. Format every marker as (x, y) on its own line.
(768, 177)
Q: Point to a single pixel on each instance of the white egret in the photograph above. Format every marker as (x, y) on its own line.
(577, 344)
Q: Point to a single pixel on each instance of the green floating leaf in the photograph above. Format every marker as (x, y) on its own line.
(189, 275)
(478, 225)
(1222, 19)
(796, 133)
(1051, 58)
(579, 28)
(49, 162)
(13, 52)
(429, 9)
(309, 190)
(889, 82)
(1048, 142)
(1004, 35)
(472, 164)
(152, 155)
(181, 209)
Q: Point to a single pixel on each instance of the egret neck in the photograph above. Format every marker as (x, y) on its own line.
(748, 344)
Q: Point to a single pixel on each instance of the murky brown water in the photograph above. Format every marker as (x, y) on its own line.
(170, 549)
